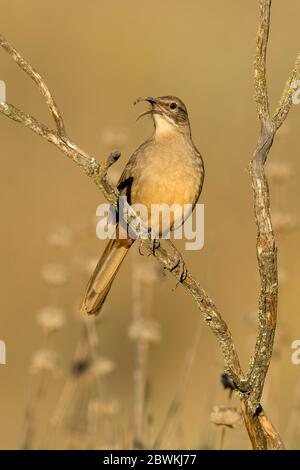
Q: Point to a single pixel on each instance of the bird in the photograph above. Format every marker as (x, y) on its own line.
(166, 169)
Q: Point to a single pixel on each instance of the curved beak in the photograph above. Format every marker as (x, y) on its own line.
(150, 99)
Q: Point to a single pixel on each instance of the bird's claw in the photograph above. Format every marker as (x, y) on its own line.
(179, 263)
(155, 244)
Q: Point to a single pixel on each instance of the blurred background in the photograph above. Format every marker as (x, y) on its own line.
(76, 383)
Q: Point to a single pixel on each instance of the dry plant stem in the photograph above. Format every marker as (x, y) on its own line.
(261, 431)
(36, 395)
(141, 361)
(93, 343)
(222, 437)
(68, 392)
(180, 391)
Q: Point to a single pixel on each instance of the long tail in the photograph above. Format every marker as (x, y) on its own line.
(104, 274)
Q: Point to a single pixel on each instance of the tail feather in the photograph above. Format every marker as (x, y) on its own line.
(104, 274)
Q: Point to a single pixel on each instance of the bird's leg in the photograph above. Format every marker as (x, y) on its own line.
(154, 242)
(179, 262)
(154, 245)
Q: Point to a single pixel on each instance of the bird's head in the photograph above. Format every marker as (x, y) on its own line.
(168, 112)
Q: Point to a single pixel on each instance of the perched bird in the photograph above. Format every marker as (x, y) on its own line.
(166, 169)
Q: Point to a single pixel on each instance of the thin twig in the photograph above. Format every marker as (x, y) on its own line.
(141, 360)
(287, 95)
(36, 77)
(260, 84)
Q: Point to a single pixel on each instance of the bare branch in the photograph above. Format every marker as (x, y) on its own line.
(287, 95)
(261, 431)
(260, 84)
(88, 164)
(36, 77)
(265, 245)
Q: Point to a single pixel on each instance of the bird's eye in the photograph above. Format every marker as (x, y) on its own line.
(173, 105)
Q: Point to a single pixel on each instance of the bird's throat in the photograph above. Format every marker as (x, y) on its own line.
(163, 126)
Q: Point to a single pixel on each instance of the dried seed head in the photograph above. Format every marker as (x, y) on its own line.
(54, 274)
(106, 408)
(60, 238)
(146, 330)
(45, 360)
(102, 367)
(225, 416)
(51, 318)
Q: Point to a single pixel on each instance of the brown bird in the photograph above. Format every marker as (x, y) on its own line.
(166, 169)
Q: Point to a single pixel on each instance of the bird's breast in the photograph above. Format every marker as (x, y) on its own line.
(169, 172)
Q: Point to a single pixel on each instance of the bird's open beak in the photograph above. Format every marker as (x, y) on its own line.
(150, 100)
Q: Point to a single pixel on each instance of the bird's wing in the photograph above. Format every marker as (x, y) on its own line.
(126, 178)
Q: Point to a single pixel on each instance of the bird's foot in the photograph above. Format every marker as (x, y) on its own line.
(154, 245)
(180, 264)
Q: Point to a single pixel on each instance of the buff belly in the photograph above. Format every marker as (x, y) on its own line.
(164, 199)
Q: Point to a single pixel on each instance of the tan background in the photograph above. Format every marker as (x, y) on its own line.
(97, 57)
